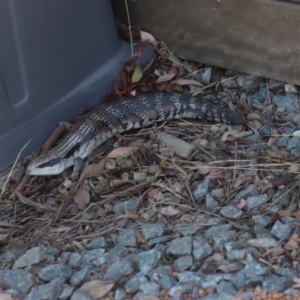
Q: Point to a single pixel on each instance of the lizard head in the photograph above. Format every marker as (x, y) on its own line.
(49, 163)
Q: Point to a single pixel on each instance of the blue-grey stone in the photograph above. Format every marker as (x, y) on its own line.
(250, 190)
(162, 275)
(117, 270)
(255, 201)
(98, 242)
(186, 229)
(201, 248)
(80, 276)
(231, 212)
(89, 255)
(150, 288)
(80, 295)
(66, 292)
(286, 101)
(51, 272)
(151, 231)
(183, 263)
(201, 190)
(148, 260)
(180, 247)
(50, 290)
(110, 255)
(210, 201)
(30, 257)
(135, 282)
(275, 283)
(127, 238)
(122, 207)
(281, 231)
(16, 279)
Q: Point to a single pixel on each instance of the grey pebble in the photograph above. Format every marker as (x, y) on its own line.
(151, 231)
(135, 282)
(261, 232)
(267, 128)
(162, 275)
(282, 142)
(293, 143)
(286, 101)
(183, 263)
(80, 276)
(275, 283)
(282, 196)
(201, 248)
(255, 201)
(226, 287)
(150, 288)
(280, 230)
(89, 255)
(250, 190)
(222, 232)
(286, 272)
(210, 201)
(118, 269)
(110, 255)
(201, 190)
(148, 260)
(192, 278)
(98, 242)
(51, 272)
(180, 247)
(47, 291)
(262, 220)
(235, 251)
(127, 238)
(186, 230)
(160, 240)
(16, 279)
(66, 292)
(30, 257)
(231, 212)
(291, 292)
(122, 207)
(74, 259)
(120, 294)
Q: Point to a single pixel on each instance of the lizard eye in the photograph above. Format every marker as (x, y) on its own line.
(50, 163)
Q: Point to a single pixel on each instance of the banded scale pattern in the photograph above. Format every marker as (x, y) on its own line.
(100, 124)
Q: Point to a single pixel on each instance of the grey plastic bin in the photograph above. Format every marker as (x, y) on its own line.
(56, 59)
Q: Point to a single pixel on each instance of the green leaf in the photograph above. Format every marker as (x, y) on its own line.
(137, 74)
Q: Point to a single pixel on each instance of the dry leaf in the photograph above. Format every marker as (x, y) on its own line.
(95, 169)
(82, 198)
(6, 296)
(188, 82)
(97, 288)
(293, 243)
(218, 192)
(165, 78)
(152, 193)
(122, 151)
(140, 176)
(169, 211)
(240, 180)
(230, 267)
(146, 36)
(128, 216)
(228, 133)
(207, 76)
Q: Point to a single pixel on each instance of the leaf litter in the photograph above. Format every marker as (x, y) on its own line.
(141, 166)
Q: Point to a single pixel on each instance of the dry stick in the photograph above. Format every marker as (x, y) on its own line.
(118, 226)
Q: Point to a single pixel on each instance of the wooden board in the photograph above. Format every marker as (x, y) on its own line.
(259, 37)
